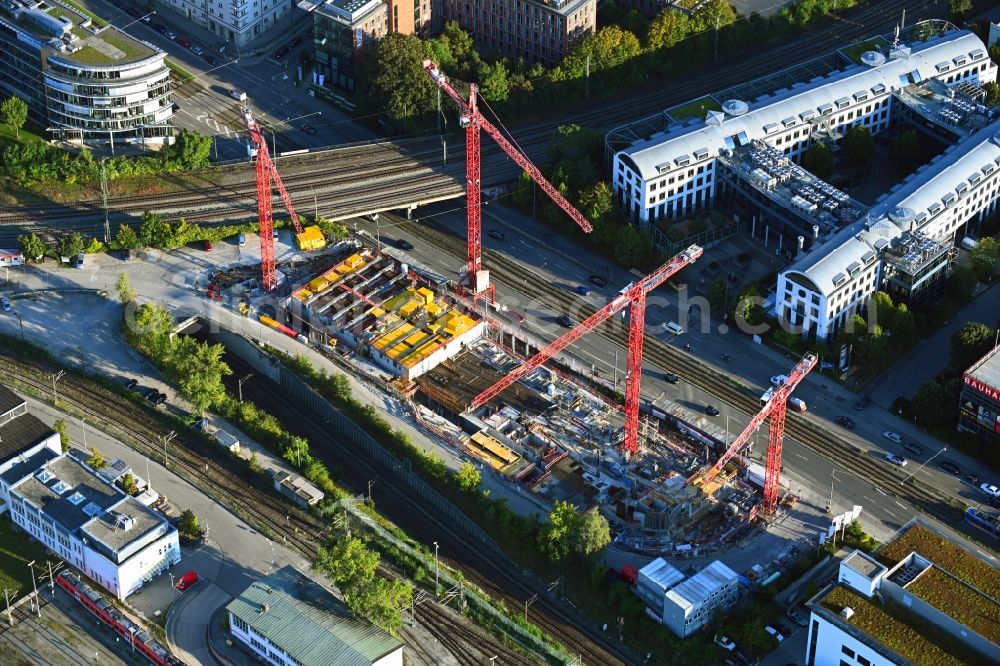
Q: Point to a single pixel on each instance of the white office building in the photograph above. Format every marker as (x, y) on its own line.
(111, 537)
(673, 171)
(684, 606)
(913, 611)
(25, 443)
(236, 21)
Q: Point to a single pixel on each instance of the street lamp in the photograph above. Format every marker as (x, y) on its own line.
(38, 606)
(56, 376)
(83, 424)
(942, 450)
(436, 567)
(240, 385)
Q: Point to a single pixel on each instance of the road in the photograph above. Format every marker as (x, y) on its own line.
(564, 263)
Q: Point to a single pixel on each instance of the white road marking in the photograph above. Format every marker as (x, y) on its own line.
(890, 513)
(879, 491)
(901, 506)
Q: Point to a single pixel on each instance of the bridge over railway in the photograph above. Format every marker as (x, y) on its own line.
(348, 181)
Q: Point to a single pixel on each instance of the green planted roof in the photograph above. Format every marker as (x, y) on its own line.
(309, 623)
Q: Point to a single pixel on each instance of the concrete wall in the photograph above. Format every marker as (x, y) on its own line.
(245, 349)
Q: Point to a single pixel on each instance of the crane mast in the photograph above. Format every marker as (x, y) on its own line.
(633, 295)
(267, 178)
(472, 121)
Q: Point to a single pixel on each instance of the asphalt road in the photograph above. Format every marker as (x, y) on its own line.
(562, 262)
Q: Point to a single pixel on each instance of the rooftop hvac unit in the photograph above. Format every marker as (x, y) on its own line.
(847, 613)
(872, 58)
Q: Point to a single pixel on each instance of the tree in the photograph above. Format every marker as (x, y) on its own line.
(400, 87)
(149, 330)
(125, 292)
(69, 245)
(632, 248)
(963, 283)
(992, 93)
(127, 238)
(717, 293)
(606, 49)
(713, 15)
(333, 231)
(873, 346)
(190, 150)
(348, 563)
(197, 369)
(748, 308)
(819, 160)
(32, 246)
(493, 82)
(129, 484)
(970, 343)
(154, 232)
(468, 477)
(96, 459)
(60, 427)
(932, 404)
(382, 602)
(668, 28)
(14, 112)
(556, 539)
(858, 144)
(593, 533)
(188, 525)
(904, 152)
(985, 259)
(959, 8)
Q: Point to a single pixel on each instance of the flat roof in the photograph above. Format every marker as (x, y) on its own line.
(309, 623)
(122, 524)
(26, 466)
(662, 573)
(83, 498)
(863, 565)
(20, 434)
(892, 630)
(91, 43)
(987, 369)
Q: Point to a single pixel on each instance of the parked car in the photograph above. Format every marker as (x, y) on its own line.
(494, 233)
(404, 244)
(241, 239)
(774, 632)
(238, 95)
(972, 479)
(745, 659)
(893, 436)
(160, 398)
(187, 580)
(280, 53)
(4, 305)
(308, 129)
(797, 617)
(197, 50)
(145, 19)
(913, 448)
(845, 421)
(782, 629)
(295, 42)
(158, 27)
(210, 59)
(565, 321)
(949, 467)
(778, 380)
(207, 246)
(131, 383)
(598, 280)
(151, 395)
(711, 411)
(990, 489)
(863, 402)
(583, 291)
(184, 41)
(169, 34)
(896, 460)
(671, 377)
(724, 643)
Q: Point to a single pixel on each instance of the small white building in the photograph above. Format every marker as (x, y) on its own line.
(298, 489)
(683, 606)
(94, 526)
(11, 258)
(912, 612)
(287, 618)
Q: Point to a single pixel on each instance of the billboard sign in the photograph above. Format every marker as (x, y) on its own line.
(985, 389)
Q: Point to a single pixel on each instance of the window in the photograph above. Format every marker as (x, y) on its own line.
(863, 661)
(240, 624)
(848, 651)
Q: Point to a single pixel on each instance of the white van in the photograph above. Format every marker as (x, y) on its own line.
(673, 327)
(238, 95)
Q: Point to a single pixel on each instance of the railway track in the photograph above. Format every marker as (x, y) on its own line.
(413, 153)
(493, 572)
(521, 278)
(132, 425)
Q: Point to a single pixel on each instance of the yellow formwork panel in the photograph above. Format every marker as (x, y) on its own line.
(408, 308)
(425, 295)
(392, 337)
(311, 238)
(319, 284)
(353, 262)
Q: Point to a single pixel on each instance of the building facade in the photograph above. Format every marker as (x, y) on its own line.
(82, 82)
(92, 525)
(343, 32)
(914, 611)
(979, 404)
(236, 21)
(287, 619)
(684, 606)
(537, 31)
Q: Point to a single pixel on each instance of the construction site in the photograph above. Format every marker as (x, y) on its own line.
(668, 479)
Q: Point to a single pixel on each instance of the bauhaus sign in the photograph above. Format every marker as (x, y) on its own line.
(985, 389)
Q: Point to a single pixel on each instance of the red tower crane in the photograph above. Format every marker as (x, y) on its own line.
(472, 120)
(267, 176)
(633, 295)
(775, 408)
